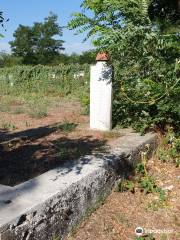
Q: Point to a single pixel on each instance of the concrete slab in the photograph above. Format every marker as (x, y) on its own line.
(54, 202)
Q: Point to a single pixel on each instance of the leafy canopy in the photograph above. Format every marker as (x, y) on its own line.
(37, 44)
(2, 21)
(145, 54)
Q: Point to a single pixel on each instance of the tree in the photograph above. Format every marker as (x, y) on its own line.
(166, 13)
(145, 57)
(74, 58)
(88, 57)
(164, 9)
(7, 60)
(36, 44)
(1, 18)
(2, 21)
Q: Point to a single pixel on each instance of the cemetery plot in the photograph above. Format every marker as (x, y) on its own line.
(34, 146)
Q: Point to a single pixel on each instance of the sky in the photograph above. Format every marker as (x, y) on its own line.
(30, 11)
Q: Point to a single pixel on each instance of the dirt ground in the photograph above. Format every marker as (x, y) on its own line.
(61, 112)
(121, 213)
(31, 146)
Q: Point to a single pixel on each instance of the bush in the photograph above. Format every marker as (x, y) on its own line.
(145, 52)
(85, 102)
(169, 148)
(45, 80)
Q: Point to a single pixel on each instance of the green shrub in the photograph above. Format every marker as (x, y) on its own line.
(66, 127)
(169, 149)
(145, 54)
(125, 185)
(8, 126)
(85, 102)
(48, 80)
(36, 87)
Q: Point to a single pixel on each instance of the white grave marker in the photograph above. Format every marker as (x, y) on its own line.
(101, 94)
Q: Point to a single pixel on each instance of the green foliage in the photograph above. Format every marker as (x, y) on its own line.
(2, 21)
(8, 126)
(148, 184)
(169, 149)
(45, 79)
(162, 194)
(88, 57)
(145, 58)
(148, 237)
(32, 89)
(85, 101)
(36, 44)
(125, 185)
(165, 12)
(7, 60)
(66, 127)
(145, 181)
(159, 203)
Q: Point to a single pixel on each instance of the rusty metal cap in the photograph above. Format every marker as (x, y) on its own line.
(102, 56)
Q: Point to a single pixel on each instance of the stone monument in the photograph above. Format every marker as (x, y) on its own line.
(101, 93)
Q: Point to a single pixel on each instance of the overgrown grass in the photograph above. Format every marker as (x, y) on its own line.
(32, 90)
(169, 148)
(7, 126)
(66, 127)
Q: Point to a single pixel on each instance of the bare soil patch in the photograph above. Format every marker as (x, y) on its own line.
(121, 213)
(30, 146)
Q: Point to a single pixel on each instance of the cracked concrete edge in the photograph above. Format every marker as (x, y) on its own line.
(58, 214)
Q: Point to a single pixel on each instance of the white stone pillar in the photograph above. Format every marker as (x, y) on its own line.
(101, 96)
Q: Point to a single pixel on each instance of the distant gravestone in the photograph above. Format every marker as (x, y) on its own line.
(101, 94)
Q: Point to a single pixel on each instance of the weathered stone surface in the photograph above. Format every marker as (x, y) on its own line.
(53, 203)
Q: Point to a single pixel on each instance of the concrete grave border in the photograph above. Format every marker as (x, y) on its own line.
(53, 203)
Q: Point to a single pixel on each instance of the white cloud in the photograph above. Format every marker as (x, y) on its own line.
(5, 47)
